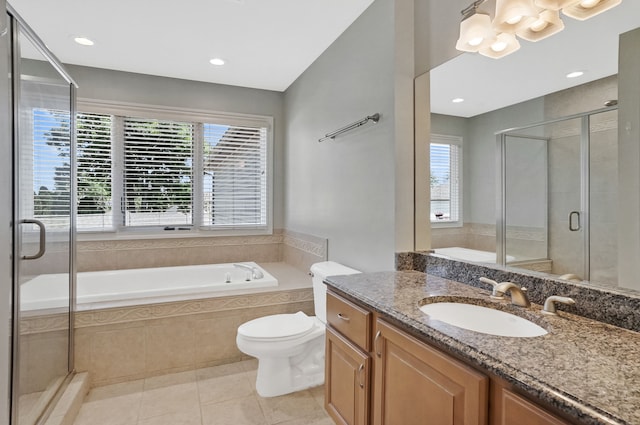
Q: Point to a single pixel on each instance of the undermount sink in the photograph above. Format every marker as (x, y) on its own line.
(482, 319)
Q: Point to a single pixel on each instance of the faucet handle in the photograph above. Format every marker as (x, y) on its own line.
(494, 294)
(550, 306)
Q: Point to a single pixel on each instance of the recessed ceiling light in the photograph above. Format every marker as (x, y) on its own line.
(575, 74)
(216, 62)
(84, 41)
(458, 100)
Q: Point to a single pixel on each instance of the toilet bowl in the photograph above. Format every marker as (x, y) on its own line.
(290, 347)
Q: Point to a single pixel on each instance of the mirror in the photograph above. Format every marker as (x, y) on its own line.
(567, 187)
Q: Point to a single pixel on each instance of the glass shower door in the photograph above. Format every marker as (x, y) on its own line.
(43, 270)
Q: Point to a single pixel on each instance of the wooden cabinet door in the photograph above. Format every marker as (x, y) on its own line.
(512, 409)
(347, 385)
(418, 385)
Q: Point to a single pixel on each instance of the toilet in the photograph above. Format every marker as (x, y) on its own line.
(290, 347)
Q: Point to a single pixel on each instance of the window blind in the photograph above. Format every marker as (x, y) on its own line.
(158, 172)
(445, 187)
(235, 176)
(48, 159)
(94, 165)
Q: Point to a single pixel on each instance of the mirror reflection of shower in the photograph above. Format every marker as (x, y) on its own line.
(558, 192)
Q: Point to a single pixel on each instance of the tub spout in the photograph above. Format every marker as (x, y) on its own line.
(256, 273)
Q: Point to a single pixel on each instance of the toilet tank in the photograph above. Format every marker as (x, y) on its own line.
(320, 271)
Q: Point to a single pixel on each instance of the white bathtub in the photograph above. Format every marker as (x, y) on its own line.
(115, 288)
(473, 255)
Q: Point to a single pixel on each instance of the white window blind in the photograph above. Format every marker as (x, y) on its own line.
(235, 176)
(158, 172)
(94, 165)
(48, 158)
(445, 182)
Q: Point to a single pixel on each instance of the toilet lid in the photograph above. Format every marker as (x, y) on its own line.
(277, 326)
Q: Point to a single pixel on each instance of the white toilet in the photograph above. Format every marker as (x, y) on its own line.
(290, 347)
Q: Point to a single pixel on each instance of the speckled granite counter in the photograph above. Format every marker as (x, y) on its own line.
(587, 369)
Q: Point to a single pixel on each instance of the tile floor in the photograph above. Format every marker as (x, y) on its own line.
(221, 395)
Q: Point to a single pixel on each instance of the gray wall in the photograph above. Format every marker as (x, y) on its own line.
(117, 86)
(343, 189)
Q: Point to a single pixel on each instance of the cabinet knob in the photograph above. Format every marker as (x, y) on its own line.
(360, 377)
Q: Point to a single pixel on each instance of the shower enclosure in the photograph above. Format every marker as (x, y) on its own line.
(37, 164)
(557, 196)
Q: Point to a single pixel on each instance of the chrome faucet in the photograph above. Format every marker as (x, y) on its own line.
(518, 294)
(256, 273)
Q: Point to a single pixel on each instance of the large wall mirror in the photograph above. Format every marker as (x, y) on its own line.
(563, 195)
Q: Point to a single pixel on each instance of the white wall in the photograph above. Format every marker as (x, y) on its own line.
(344, 189)
(117, 86)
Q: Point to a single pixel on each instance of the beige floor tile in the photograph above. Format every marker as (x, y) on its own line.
(289, 407)
(318, 394)
(320, 418)
(176, 418)
(249, 365)
(245, 411)
(111, 406)
(116, 390)
(166, 394)
(222, 383)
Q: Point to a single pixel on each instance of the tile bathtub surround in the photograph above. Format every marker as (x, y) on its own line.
(618, 307)
(220, 395)
(298, 249)
(118, 345)
(587, 369)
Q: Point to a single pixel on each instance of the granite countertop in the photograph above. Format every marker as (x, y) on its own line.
(587, 369)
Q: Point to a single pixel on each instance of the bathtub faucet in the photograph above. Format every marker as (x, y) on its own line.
(256, 273)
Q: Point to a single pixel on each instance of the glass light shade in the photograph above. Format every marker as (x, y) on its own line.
(511, 15)
(555, 4)
(545, 25)
(586, 9)
(502, 45)
(474, 32)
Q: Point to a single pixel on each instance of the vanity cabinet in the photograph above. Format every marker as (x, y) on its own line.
(348, 362)
(416, 384)
(509, 408)
(377, 374)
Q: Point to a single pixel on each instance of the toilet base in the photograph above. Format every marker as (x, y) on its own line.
(283, 375)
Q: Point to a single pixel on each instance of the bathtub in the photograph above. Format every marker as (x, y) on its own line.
(117, 288)
(473, 255)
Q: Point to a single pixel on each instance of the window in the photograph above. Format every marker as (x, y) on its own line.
(445, 179)
(209, 173)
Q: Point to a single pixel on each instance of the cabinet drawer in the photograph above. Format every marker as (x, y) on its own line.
(513, 409)
(350, 320)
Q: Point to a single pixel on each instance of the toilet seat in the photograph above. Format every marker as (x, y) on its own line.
(277, 327)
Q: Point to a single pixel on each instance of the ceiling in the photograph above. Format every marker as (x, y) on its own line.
(265, 44)
(536, 69)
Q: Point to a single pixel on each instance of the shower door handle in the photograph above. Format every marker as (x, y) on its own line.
(573, 214)
(43, 240)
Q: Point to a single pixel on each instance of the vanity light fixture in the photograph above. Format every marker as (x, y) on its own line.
(217, 62)
(84, 41)
(475, 29)
(555, 4)
(502, 45)
(575, 74)
(457, 100)
(546, 24)
(531, 20)
(511, 15)
(586, 9)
